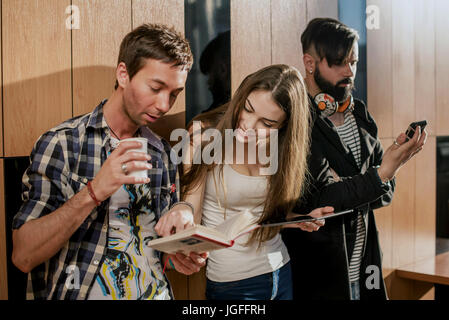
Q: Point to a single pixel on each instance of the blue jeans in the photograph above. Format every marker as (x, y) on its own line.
(276, 285)
(355, 290)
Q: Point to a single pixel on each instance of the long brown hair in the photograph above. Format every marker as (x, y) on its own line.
(286, 186)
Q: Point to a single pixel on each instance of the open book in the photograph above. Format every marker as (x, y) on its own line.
(201, 239)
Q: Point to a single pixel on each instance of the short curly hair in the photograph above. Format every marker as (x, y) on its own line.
(154, 41)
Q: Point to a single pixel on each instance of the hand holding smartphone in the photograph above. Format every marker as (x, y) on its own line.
(412, 127)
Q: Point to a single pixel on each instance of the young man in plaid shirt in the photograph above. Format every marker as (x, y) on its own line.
(82, 230)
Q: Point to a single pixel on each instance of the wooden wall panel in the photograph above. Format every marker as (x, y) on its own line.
(402, 69)
(379, 62)
(403, 216)
(1, 92)
(425, 201)
(403, 113)
(442, 63)
(3, 251)
(197, 285)
(425, 98)
(250, 38)
(384, 222)
(425, 108)
(169, 12)
(36, 71)
(103, 24)
(288, 21)
(322, 9)
(405, 84)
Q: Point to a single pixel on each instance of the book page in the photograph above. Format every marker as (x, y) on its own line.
(238, 224)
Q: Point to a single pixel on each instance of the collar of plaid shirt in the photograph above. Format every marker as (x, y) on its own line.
(73, 153)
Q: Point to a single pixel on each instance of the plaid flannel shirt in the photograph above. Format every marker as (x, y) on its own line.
(63, 160)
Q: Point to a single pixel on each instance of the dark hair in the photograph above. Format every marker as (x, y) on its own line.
(154, 41)
(219, 47)
(330, 39)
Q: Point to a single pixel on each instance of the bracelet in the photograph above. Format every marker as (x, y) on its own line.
(92, 194)
(183, 202)
(171, 264)
(165, 264)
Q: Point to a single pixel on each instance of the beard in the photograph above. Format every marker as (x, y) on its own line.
(340, 94)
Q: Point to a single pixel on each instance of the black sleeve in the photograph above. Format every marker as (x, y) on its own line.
(386, 198)
(347, 192)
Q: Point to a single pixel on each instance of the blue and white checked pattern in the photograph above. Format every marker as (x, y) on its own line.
(63, 160)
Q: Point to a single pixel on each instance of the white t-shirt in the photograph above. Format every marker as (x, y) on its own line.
(239, 261)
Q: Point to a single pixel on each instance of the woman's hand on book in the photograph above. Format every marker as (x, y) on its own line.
(188, 264)
(180, 217)
(315, 225)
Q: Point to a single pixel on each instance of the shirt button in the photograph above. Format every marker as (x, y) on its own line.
(96, 262)
(85, 180)
(105, 228)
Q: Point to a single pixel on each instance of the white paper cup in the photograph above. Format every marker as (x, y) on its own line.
(143, 149)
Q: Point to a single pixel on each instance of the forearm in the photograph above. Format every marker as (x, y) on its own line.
(38, 240)
(351, 192)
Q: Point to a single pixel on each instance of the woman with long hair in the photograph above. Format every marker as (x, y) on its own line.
(273, 99)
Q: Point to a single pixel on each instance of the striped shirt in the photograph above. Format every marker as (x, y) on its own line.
(63, 160)
(349, 133)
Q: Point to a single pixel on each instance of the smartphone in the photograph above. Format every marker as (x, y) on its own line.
(412, 127)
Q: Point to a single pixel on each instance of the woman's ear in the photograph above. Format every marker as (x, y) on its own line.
(122, 75)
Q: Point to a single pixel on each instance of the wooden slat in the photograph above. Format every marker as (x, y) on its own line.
(425, 201)
(171, 13)
(96, 45)
(250, 38)
(322, 9)
(36, 71)
(442, 70)
(197, 285)
(403, 114)
(425, 98)
(403, 238)
(180, 285)
(3, 251)
(403, 49)
(288, 21)
(425, 186)
(384, 222)
(1, 93)
(379, 74)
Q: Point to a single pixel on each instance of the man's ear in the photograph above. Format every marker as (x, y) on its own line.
(122, 75)
(309, 63)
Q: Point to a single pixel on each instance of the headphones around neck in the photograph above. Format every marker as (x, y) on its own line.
(328, 106)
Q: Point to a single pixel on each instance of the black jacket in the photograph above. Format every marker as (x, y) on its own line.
(320, 259)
